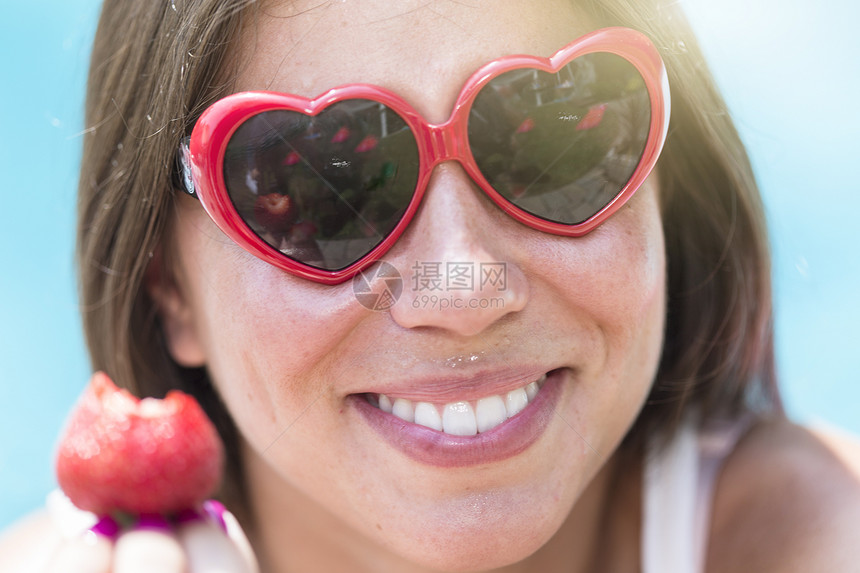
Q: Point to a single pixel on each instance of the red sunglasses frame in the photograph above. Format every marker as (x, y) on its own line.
(202, 154)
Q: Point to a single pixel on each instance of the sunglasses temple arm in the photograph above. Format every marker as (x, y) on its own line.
(183, 162)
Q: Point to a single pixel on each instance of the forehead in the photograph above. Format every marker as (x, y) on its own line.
(422, 50)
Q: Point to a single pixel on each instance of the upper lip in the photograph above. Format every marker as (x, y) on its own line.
(448, 387)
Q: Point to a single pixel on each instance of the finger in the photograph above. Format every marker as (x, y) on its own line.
(85, 542)
(70, 521)
(213, 548)
(234, 531)
(149, 547)
(88, 553)
(209, 550)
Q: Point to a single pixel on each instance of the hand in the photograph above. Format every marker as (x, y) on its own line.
(210, 541)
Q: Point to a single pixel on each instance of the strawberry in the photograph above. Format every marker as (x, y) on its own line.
(275, 212)
(369, 143)
(302, 231)
(593, 118)
(292, 158)
(341, 135)
(526, 126)
(120, 453)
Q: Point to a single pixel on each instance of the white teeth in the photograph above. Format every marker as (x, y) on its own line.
(385, 403)
(461, 418)
(403, 409)
(490, 412)
(458, 419)
(515, 401)
(426, 414)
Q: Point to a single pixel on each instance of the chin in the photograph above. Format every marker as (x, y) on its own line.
(478, 532)
(463, 552)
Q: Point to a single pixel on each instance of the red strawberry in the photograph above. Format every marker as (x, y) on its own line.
(341, 135)
(526, 126)
(120, 453)
(291, 159)
(593, 118)
(302, 231)
(369, 143)
(274, 212)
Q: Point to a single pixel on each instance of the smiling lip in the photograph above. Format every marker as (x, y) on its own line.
(439, 449)
(452, 389)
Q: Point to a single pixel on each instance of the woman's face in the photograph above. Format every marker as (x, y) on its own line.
(295, 361)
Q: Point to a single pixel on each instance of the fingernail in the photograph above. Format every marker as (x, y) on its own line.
(152, 522)
(107, 527)
(215, 510)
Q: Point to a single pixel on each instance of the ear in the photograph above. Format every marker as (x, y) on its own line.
(175, 312)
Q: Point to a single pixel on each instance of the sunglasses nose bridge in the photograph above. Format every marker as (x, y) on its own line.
(443, 143)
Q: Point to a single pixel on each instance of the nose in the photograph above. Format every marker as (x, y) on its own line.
(460, 272)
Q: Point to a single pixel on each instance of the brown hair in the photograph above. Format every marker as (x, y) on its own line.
(718, 354)
(155, 67)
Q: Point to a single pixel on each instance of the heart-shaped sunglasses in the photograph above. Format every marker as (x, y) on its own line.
(323, 187)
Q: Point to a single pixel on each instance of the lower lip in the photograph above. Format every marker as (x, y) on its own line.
(436, 448)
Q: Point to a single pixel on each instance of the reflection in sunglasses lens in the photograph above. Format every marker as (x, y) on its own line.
(562, 145)
(325, 189)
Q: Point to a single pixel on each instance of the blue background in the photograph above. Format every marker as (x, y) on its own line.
(790, 70)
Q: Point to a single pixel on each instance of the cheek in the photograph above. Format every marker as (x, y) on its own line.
(631, 290)
(615, 275)
(266, 336)
(610, 291)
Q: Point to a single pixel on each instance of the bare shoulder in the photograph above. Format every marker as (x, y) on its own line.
(29, 543)
(788, 499)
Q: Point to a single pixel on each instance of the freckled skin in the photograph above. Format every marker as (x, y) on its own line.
(286, 353)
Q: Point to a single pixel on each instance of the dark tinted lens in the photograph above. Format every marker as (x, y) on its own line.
(323, 190)
(561, 146)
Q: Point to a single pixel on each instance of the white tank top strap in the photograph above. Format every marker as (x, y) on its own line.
(678, 490)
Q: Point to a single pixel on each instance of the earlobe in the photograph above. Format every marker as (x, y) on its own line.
(175, 313)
